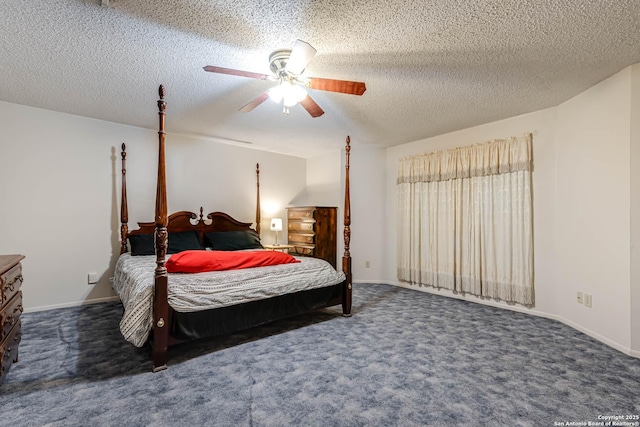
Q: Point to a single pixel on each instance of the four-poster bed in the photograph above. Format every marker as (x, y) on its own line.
(172, 307)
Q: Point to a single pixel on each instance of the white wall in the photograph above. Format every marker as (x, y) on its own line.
(635, 209)
(582, 205)
(592, 235)
(324, 175)
(323, 181)
(61, 189)
(369, 239)
(325, 187)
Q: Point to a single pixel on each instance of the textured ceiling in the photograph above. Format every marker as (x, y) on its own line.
(431, 66)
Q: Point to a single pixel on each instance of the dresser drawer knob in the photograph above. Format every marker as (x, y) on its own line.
(160, 322)
(19, 308)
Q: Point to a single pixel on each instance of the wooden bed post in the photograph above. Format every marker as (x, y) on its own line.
(124, 210)
(346, 258)
(161, 304)
(258, 198)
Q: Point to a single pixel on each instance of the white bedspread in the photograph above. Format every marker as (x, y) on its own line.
(134, 283)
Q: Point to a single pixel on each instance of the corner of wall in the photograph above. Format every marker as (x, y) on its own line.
(635, 209)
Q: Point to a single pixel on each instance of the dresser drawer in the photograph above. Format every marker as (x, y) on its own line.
(10, 315)
(302, 214)
(302, 226)
(11, 282)
(9, 350)
(301, 238)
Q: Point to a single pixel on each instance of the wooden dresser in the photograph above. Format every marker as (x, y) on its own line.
(10, 311)
(312, 231)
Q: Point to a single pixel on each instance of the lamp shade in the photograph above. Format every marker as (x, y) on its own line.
(276, 224)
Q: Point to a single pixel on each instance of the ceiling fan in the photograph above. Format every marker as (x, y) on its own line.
(287, 66)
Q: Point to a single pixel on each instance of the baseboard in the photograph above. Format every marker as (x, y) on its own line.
(71, 304)
(601, 338)
(446, 293)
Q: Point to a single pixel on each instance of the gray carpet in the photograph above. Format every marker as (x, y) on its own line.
(405, 358)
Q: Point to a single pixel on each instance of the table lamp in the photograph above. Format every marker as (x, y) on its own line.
(276, 225)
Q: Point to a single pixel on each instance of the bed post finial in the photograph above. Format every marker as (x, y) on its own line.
(124, 209)
(258, 198)
(346, 258)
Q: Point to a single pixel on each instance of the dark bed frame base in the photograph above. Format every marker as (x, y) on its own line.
(226, 320)
(171, 327)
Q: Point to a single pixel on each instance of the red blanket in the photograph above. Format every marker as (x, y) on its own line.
(201, 261)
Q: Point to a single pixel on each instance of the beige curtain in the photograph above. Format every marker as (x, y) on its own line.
(465, 220)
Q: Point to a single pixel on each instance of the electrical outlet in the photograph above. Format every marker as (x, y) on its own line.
(587, 300)
(367, 264)
(93, 278)
(579, 297)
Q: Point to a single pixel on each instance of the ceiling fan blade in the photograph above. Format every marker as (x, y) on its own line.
(253, 104)
(222, 70)
(311, 107)
(342, 86)
(301, 54)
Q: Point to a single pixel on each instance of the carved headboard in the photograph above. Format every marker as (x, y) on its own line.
(189, 221)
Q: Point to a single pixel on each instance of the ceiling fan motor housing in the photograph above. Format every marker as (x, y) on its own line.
(278, 62)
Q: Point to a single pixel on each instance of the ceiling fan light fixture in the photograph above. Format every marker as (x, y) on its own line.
(287, 92)
(276, 94)
(295, 95)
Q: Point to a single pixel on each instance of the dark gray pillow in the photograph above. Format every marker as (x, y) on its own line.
(233, 240)
(184, 241)
(142, 244)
